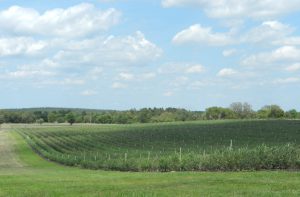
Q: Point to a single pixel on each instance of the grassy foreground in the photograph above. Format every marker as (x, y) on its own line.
(38, 177)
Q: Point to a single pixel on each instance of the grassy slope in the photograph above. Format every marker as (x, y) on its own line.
(41, 178)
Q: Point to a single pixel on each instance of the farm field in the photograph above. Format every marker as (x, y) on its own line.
(200, 146)
(31, 175)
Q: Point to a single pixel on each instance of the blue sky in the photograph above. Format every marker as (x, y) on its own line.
(123, 54)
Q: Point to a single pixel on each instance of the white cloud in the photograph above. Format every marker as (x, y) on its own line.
(89, 93)
(28, 74)
(180, 81)
(118, 85)
(282, 54)
(294, 67)
(95, 72)
(177, 67)
(292, 40)
(70, 81)
(256, 9)
(79, 20)
(20, 45)
(49, 63)
(229, 52)
(65, 81)
(149, 75)
(168, 93)
(287, 80)
(109, 51)
(203, 35)
(126, 76)
(267, 31)
(195, 69)
(198, 84)
(227, 72)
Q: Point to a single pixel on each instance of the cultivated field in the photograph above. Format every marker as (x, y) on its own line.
(191, 146)
(24, 173)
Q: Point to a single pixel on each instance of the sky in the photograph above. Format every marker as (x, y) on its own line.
(124, 54)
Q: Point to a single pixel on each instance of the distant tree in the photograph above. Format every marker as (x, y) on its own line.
(70, 117)
(2, 120)
(276, 112)
(242, 110)
(40, 121)
(263, 113)
(144, 115)
(88, 117)
(104, 119)
(214, 113)
(28, 117)
(60, 119)
(52, 117)
(291, 114)
(41, 114)
(120, 118)
(271, 111)
(237, 108)
(164, 117)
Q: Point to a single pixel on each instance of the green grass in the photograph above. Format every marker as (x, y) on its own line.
(172, 146)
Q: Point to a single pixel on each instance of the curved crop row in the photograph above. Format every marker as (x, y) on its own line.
(243, 145)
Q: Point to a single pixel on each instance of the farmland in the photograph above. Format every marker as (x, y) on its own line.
(24, 173)
(207, 145)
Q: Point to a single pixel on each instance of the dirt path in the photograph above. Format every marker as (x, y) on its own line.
(8, 157)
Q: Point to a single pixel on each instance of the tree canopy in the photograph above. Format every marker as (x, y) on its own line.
(236, 110)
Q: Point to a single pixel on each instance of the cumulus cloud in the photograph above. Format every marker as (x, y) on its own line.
(199, 84)
(168, 93)
(282, 54)
(21, 45)
(256, 9)
(118, 85)
(28, 73)
(149, 75)
(293, 68)
(177, 67)
(228, 52)
(109, 51)
(126, 76)
(227, 72)
(203, 35)
(287, 80)
(78, 20)
(195, 69)
(65, 81)
(268, 31)
(291, 40)
(89, 93)
(95, 72)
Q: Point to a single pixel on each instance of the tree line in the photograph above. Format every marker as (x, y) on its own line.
(236, 110)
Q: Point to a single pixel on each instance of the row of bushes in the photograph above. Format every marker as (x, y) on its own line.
(260, 158)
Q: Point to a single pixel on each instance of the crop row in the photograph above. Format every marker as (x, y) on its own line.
(235, 145)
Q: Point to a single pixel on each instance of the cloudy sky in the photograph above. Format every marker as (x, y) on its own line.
(122, 54)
